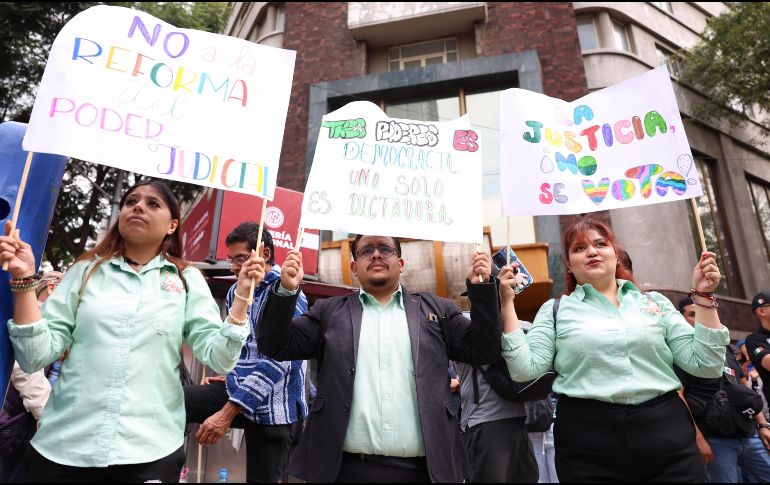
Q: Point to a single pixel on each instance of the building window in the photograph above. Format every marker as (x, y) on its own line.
(422, 54)
(587, 34)
(760, 197)
(620, 35)
(670, 59)
(665, 6)
(268, 29)
(714, 229)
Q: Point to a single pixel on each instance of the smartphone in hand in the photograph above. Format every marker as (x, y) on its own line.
(523, 278)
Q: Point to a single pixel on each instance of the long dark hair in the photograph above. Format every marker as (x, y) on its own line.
(113, 244)
(577, 232)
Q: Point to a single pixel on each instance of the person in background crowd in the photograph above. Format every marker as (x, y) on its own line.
(494, 433)
(263, 396)
(22, 409)
(727, 456)
(384, 410)
(123, 309)
(47, 284)
(545, 451)
(619, 417)
(758, 343)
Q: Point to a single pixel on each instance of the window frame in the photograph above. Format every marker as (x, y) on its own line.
(726, 261)
(762, 184)
(626, 35)
(592, 18)
(670, 59)
(664, 6)
(443, 54)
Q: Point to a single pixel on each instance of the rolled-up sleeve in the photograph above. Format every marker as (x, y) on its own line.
(531, 355)
(216, 343)
(699, 351)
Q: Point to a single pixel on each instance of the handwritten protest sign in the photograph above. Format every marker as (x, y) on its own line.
(124, 89)
(622, 146)
(377, 175)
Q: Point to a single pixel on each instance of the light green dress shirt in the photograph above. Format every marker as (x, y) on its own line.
(119, 399)
(619, 355)
(384, 418)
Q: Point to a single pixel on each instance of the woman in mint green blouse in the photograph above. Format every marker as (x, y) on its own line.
(619, 418)
(123, 309)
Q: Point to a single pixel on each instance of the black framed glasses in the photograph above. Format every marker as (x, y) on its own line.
(240, 259)
(367, 251)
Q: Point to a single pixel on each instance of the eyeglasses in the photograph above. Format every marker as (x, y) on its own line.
(367, 251)
(240, 259)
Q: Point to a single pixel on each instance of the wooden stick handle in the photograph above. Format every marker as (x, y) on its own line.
(259, 242)
(478, 250)
(19, 196)
(507, 240)
(696, 216)
(200, 446)
(300, 233)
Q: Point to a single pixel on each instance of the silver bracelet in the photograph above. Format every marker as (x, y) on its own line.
(235, 292)
(236, 321)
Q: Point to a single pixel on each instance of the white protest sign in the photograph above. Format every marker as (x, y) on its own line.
(124, 89)
(622, 146)
(377, 175)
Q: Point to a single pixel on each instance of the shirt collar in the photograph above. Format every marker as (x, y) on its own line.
(624, 286)
(367, 299)
(157, 262)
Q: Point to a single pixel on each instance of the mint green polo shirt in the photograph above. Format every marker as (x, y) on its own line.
(119, 399)
(618, 355)
(384, 418)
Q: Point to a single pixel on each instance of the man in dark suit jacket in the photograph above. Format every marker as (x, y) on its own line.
(384, 410)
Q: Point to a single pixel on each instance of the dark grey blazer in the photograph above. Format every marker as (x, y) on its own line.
(330, 331)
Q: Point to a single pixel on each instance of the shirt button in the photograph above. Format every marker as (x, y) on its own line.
(346, 408)
(352, 371)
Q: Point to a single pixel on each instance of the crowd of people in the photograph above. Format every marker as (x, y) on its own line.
(644, 391)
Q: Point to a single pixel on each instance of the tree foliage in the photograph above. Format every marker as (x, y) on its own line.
(731, 64)
(27, 31)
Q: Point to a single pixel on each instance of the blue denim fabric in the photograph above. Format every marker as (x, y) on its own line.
(544, 454)
(733, 456)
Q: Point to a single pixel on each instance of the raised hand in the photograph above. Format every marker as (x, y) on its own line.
(507, 280)
(481, 265)
(705, 275)
(291, 271)
(17, 253)
(254, 267)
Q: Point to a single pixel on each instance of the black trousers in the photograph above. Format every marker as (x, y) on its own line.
(267, 447)
(602, 442)
(42, 470)
(357, 468)
(501, 452)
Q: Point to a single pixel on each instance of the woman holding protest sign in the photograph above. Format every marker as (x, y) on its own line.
(123, 309)
(613, 347)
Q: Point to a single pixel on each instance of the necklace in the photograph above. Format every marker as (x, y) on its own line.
(131, 261)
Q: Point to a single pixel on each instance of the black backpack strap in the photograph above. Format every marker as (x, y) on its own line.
(556, 303)
(475, 386)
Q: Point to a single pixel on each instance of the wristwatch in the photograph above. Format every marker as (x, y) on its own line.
(763, 425)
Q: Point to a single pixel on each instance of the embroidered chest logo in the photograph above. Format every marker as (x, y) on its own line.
(171, 283)
(759, 350)
(650, 310)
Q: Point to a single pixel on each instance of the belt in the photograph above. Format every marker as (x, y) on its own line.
(412, 463)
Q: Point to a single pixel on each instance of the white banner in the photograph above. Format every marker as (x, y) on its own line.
(384, 176)
(622, 146)
(124, 89)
